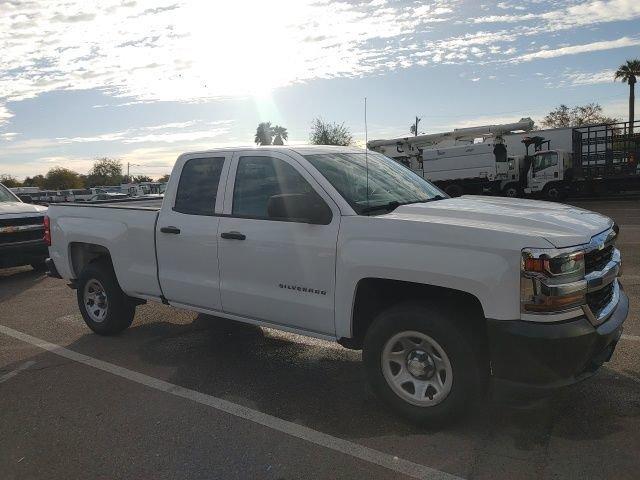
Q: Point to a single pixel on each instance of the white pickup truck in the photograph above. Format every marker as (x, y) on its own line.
(21, 232)
(445, 296)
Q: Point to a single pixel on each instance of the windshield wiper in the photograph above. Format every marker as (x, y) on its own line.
(391, 206)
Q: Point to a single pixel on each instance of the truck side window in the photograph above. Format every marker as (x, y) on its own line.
(545, 160)
(198, 186)
(258, 179)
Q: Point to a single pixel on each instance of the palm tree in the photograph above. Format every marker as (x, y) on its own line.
(264, 134)
(628, 73)
(280, 134)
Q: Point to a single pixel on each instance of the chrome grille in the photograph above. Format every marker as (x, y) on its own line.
(15, 222)
(596, 260)
(22, 229)
(599, 299)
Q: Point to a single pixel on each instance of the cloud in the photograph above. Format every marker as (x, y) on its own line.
(5, 114)
(166, 50)
(587, 78)
(165, 133)
(9, 135)
(78, 17)
(575, 49)
(579, 15)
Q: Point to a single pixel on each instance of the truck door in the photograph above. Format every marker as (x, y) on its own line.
(544, 170)
(280, 270)
(187, 233)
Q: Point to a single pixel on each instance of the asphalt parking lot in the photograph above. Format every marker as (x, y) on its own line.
(183, 395)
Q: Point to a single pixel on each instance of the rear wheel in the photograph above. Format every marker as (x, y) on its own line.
(420, 360)
(106, 309)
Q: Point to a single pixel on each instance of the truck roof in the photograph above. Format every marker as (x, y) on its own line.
(301, 149)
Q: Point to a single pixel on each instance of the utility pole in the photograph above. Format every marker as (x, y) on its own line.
(415, 128)
(129, 165)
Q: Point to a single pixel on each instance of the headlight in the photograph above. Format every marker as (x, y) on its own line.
(553, 263)
(552, 280)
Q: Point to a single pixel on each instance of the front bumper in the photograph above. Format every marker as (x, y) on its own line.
(23, 253)
(531, 357)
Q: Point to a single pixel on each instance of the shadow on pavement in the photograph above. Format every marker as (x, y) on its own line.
(322, 386)
(16, 280)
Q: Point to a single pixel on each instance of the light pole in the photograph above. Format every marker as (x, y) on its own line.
(129, 165)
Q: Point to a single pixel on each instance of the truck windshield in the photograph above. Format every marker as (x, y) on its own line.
(545, 160)
(389, 183)
(6, 195)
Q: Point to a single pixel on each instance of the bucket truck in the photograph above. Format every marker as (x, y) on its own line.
(456, 162)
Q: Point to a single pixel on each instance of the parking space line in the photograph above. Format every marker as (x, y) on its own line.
(346, 447)
(634, 338)
(15, 372)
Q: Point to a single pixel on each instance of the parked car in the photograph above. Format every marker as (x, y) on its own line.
(444, 295)
(107, 197)
(76, 195)
(21, 232)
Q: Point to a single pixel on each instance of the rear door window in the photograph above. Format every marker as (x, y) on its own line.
(198, 186)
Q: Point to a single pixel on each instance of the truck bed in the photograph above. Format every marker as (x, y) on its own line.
(126, 228)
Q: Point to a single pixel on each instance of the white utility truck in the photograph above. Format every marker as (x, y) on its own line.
(589, 159)
(444, 295)
(465, 160)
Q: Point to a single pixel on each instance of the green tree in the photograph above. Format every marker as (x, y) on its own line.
(280, 134)
(628, 73)
(164, 178)
(9, 181)
(325, 133)
(578, 116)
(35, 181)
(264, 134)
(60, 178)
(140, 178)
(105, 171)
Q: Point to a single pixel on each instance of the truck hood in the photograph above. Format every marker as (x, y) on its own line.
(19, 208)
(561, 225)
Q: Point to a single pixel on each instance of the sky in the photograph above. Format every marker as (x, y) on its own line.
(146, 80)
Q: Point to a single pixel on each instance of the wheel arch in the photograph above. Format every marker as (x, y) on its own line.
(82, 254)
(374, 294)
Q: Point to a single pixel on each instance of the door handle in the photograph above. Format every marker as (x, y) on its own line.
(233, 235)
(174, 230)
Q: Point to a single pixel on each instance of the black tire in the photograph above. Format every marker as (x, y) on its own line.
(554, 192)
(39, 266)
(454, 190)
(119, 308)
(512, 190)
(469, 370)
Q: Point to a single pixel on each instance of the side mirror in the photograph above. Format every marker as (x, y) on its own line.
(26, 198)
(299, 207)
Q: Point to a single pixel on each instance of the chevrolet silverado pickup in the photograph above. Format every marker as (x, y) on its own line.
(21, 232)
(445, 296)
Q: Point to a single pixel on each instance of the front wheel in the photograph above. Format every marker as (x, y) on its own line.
(555, 192)
(512, 191)
(421, 361)
(106, 309)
